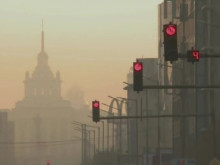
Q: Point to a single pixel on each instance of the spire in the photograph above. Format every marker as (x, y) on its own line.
(42, 36)
(42, 56)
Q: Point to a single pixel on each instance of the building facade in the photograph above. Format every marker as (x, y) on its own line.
(198, 28)
(7, 154)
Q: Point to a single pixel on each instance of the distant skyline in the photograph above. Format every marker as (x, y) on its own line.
(91, 43)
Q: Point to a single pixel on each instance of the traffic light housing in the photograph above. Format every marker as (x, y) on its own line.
(137, 76)
(170, 42)
(95, 111)
(48, 162)
(193, 56)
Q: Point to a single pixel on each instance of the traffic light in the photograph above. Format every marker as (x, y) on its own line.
(193, 56)
(170, 42)
(138, 76)
(48, 162)
(95, 111)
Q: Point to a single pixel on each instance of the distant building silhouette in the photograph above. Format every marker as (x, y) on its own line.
(42, 88)
(43, 118)
(6, 138)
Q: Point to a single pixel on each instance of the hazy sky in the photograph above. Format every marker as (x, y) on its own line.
(91, 42)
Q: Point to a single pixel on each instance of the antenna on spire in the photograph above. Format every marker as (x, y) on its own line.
(42, 24)
(42, 36)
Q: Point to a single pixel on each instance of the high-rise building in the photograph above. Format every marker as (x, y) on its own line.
(197, 27)
(6, 139)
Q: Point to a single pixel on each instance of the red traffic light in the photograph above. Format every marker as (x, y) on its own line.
(48, 162)
(196, 54)
(138, 66)
(96, 104)
(171, 30)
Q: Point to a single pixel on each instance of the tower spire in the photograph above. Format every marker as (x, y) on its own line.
(42, 36)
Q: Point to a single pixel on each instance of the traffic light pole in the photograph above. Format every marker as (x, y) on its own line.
(82, 144)
(113, 136)
(98, 139)
(103, 136)
(137, 159)
(108, 135)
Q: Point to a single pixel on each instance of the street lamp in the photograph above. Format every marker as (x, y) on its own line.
(120, 123)
(83, 153)
(107, 128)
(136, 105)
(157, 83)
(88, 131)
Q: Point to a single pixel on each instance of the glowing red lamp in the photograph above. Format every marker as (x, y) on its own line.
(171, 30)
(138, 66)
(96, 104)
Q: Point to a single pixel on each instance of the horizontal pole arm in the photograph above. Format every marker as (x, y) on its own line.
(155, 116)
(201, 55)
(180, 86)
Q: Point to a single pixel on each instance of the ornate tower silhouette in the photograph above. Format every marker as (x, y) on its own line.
(42, 115)
(42, 87)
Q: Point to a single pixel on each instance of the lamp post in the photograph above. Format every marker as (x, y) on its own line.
(82, 146)
(107, 128)
(84, 137)
(136, 107)
(120, 125)
(119, 112)
(89, 142)
(158, 112)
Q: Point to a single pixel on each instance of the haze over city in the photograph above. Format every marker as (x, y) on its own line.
(91, 43)
(110, 82)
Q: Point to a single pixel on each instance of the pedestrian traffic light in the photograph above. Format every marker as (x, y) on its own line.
(138, 76)
(95, 111)
(193, 56)
(170, 42)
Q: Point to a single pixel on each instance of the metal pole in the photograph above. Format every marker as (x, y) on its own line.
(85, 144)
(156, 116)
(137, 132)
(82, 144)
(94, 149)
(103, 136)
(128, 131)
(99, 139)
(120, 124)
(108, 135)
(89, 147)
(113, 134)
(94, 142)
(158, 109)
(147, 134)
(181, 87)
